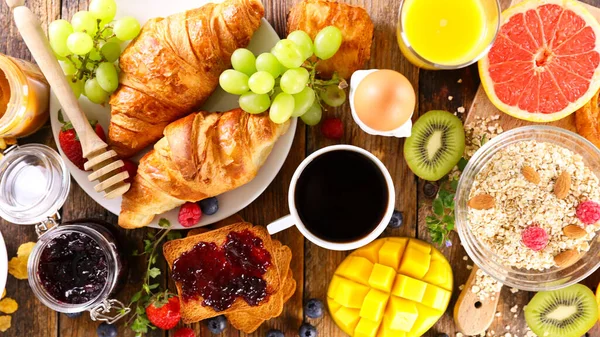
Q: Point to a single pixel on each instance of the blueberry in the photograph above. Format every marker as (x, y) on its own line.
(275, 333)
(307, 330)
(396, 220)
(216, 325)
(209, 206)
(74, 314)
(313, 308)
(106, 330)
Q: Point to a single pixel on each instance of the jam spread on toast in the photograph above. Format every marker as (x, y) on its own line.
(222, 274)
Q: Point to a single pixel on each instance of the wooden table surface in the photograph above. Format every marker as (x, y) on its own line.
(312, 266)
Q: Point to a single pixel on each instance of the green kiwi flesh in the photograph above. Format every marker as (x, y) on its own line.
(567, 312)
(435, 146)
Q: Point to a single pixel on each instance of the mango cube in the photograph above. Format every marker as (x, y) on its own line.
(415, 262)
(420, 245)
(374, 305)
(401, 314)
(347, 319)
(409, 288)
(436, 255)
(350, 294)
(366, 328)
(333, 305)
(370, 251)
(333, 285)
(385, 332)
(436, 274)
(427, 318)
(436, 297)
(391, 253)
(356, 268)
(397, 239)
(382, 277)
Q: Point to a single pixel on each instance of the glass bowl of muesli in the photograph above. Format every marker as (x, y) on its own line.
(528, 208)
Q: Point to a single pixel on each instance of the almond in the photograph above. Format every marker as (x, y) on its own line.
(566, 258)
(574, 232)
(482, 201)
(562, 185)
(531, 174)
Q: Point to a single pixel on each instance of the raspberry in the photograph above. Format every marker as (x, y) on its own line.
(185, 332)
(534, 238)
(332, 128)
(588, 212)
(189, 214)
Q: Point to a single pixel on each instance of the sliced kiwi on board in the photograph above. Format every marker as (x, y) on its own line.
(567, 312)
(436, 145)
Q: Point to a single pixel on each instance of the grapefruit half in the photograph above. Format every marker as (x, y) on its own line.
(544, 63)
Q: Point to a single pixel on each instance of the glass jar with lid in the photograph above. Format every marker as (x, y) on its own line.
(75, 266)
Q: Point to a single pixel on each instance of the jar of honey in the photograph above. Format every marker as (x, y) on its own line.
(24, 95)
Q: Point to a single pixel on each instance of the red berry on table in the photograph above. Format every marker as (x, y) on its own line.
(70, 145)
(332, 128)
(164, 315)
(189, 214)
(588, 212)
(131, 168)
(534, 237)
(185, 332)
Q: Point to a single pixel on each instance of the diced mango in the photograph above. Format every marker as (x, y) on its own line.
(427, 318)
(400, 314)
(350, 294)
(333, 285)
(356, 268)
(382, 277)
(347, 319)
(420, 245)
(385, 332)
(436, 255)
(436, 273)
(415, 262)
(366, 328)
(374, 305)
(397, 239)
(391, 253)
(333, 305)
(409, 288)
(436, 297)
(370, 251)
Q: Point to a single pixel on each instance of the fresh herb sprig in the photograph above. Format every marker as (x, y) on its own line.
(147, 295)
(441, 222)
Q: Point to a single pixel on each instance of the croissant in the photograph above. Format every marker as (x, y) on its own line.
(200, 156)
(173, 66)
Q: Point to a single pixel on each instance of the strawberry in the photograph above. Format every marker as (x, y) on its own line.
(69, 142)
(332, 128)
(185, 332)
(131, 168)
(164, 315)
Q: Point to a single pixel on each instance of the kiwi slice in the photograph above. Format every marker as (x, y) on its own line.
(436, 145)
(567, 312)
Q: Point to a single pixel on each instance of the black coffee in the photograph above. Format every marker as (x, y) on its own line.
(341, 196)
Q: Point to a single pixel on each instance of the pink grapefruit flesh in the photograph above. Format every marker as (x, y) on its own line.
(544, 64)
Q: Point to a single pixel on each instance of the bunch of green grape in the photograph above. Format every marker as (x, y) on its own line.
(284, 79)
(88, 47)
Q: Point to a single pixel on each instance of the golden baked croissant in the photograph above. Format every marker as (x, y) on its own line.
(587, 120)
(201, 156)
(173, 66)
(357, 29)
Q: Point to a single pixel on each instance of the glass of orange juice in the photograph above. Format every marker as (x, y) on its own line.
(447, 34)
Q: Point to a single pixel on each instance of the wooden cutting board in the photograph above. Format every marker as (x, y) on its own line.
(483, 107)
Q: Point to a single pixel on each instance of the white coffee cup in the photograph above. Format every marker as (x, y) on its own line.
(294, 219)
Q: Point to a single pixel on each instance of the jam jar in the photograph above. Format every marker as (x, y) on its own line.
(74, 266)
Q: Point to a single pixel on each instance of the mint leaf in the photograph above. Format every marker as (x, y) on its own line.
(164, 223)
(438, 207)
(153, 272)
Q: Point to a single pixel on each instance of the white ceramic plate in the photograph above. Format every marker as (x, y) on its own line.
(3, 264)
(229, 203)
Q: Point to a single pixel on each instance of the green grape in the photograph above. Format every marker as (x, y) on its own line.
(243, 60)
(95, 55)
(313, 115)
(107, 77)
(261, 82)
(127, 28)
(234, 82)
(109, 36)
(111, 51)
(94, 91)
(268, 62)
(288, 54)
(282, 108)
(85, 21)
(58, 33)
(104, 10)
(333, 96)
(328, 42)
(254, 103)
(303, 42)
(76, 86)
(303, 101)
(294, 80)
(68, 67)
(80, 43)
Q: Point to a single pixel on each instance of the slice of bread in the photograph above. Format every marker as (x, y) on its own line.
(193, 310)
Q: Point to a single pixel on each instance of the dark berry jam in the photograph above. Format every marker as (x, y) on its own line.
(221, 274)
(73, 268)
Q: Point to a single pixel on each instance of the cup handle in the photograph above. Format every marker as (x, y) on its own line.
(281, 224)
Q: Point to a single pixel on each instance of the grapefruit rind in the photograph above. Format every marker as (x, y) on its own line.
(515, 111)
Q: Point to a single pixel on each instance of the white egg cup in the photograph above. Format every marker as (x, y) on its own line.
(403, 131)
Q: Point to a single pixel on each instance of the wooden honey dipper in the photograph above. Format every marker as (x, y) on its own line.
(104, 163)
